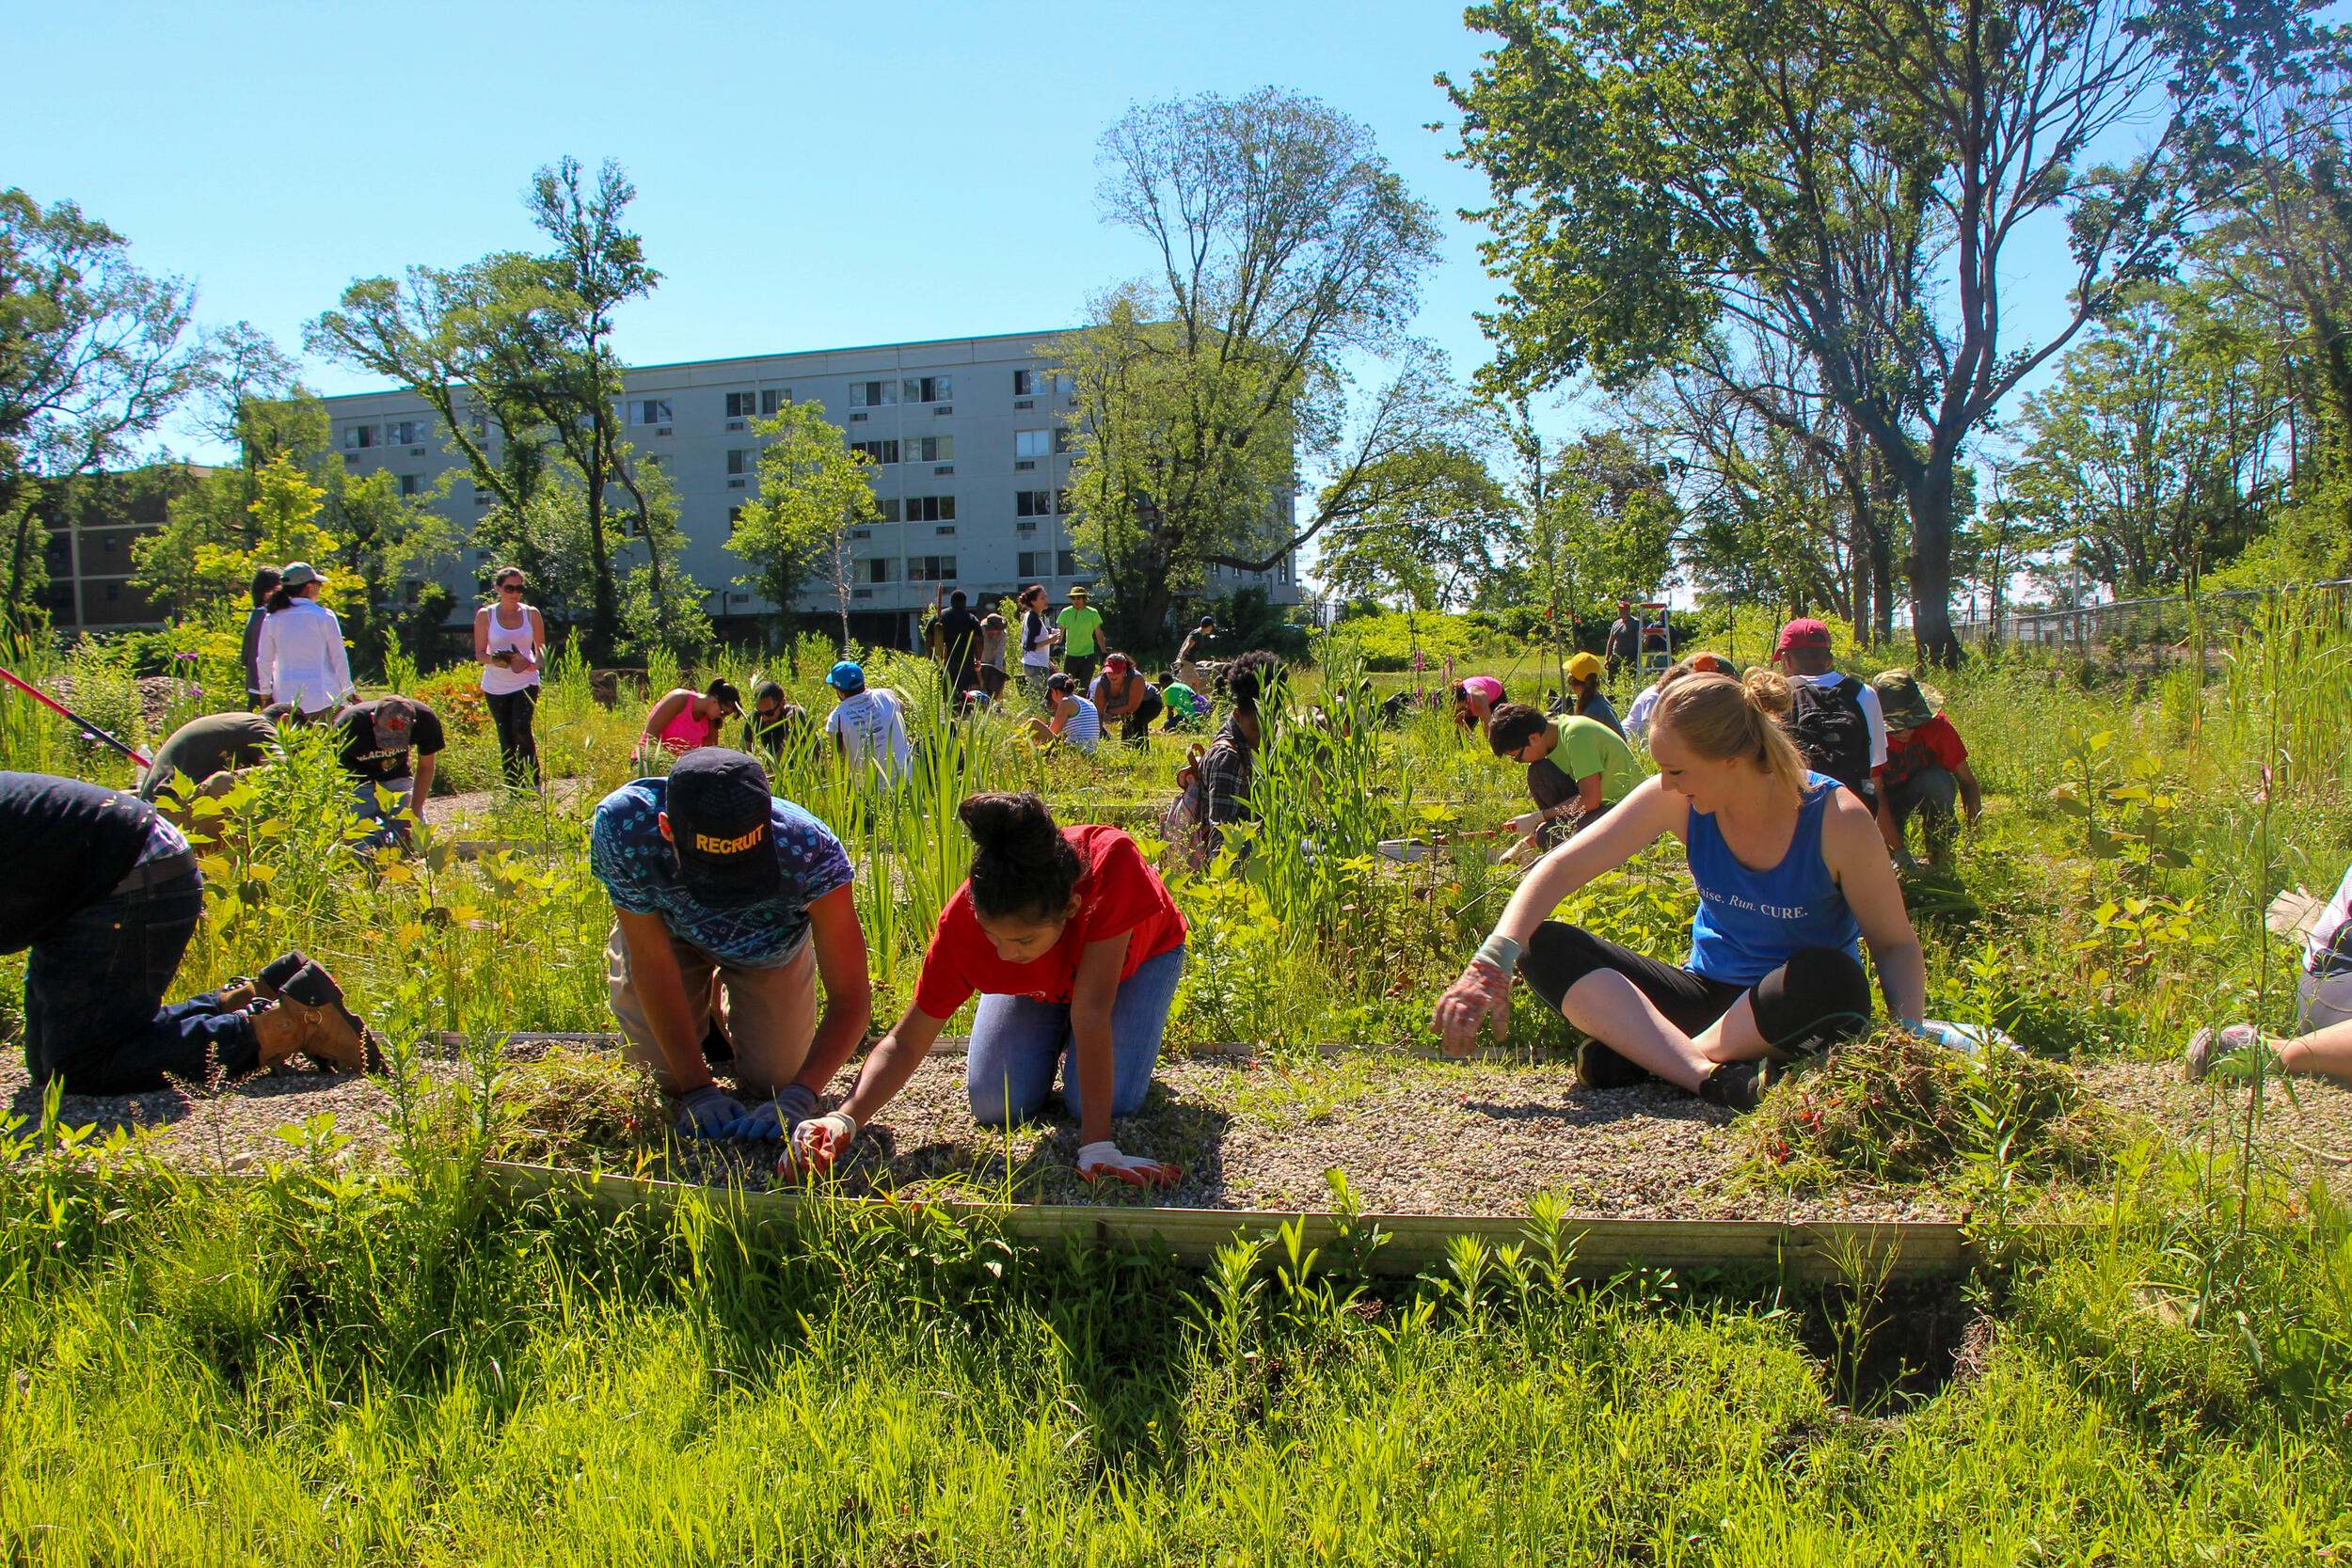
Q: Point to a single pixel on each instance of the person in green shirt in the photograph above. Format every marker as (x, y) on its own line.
(1081, 625)
(1577, 768)
(1185, 706)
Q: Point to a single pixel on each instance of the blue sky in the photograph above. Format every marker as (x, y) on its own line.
(809, 176)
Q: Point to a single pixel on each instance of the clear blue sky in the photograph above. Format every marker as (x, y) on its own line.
(809, 176)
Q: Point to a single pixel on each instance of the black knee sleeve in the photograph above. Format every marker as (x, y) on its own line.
(1557, 957)
(1817, 999)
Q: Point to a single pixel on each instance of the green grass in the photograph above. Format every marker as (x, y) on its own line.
(334, 1363)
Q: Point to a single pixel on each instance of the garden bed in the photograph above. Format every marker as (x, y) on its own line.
(1413, 1135)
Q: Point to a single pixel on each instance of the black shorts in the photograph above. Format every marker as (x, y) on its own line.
(1819, 998)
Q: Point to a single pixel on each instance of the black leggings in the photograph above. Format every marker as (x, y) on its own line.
(511, 712)
(1817, 999)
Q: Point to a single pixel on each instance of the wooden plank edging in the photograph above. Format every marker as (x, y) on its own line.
(1815, 1252)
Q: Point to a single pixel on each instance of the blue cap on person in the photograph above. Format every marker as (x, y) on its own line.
(719, 814)
(847, 677)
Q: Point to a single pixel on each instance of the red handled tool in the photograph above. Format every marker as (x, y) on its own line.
(57, 707)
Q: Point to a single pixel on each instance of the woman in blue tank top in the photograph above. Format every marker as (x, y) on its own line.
(1791, 875)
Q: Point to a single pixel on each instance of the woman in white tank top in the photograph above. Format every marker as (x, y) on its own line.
(509, 642)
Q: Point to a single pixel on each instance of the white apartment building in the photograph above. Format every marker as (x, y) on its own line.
(971, 466)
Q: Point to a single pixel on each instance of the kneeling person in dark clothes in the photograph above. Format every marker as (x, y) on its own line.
(378, 740)
(1790, 874)
(105, 893)
(209, 752)
(1577, 768)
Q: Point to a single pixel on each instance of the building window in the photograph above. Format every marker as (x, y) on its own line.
(741, 405)
(880, 451)
(931, 509)
(875, 570)
(1033, 564)
(929, 388)
(408, 484)
(1024, 386)
(1061, 438)
(651, 410)
(1033, 503)
(873, 394)
(774, 398)
(742, 460)
(359, 437)
(114, 592)
(1065, 563)
(1031, 443)
(931, 448)
(931, 568)
(403, 433)
(888, 507)
(1290, 569)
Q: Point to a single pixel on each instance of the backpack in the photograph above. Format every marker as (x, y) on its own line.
(1830, 732)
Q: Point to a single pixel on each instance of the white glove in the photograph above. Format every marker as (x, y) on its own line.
(1103, 1161)
(816, 1142)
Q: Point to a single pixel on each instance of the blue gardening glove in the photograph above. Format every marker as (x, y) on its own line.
(773, 1122)
(708, 1113)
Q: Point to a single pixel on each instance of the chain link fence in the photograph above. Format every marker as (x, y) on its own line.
(2121, 624)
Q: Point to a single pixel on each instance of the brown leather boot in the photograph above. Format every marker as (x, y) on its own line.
(286, 1028)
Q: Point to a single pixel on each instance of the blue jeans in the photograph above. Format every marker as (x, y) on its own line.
(93, 998)
(1016, 1043)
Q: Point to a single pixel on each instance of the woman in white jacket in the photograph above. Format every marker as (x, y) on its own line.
(301, 656)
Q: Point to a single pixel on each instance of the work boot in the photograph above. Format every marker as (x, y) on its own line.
(1736, 1086)
(246, 989)
(287, 1028)
(307, 982)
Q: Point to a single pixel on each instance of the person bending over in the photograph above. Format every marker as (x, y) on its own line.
(869, 727)
(1475, 698)
(208, 755)
(1075, 948)
(1790, 870)
(1927, 771)
(376, 743)
(684, 719)
(1068, 716)
(776, 721)
(728, 905)
(1122, 693)
(1185, 708)
(1230, 766)
(1577, 768)
(106, 894)
(1585, 699)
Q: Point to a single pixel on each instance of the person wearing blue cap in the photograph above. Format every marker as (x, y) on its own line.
(867, 727)
(728, 904)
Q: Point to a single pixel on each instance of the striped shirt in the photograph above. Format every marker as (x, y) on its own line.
(1084, 729)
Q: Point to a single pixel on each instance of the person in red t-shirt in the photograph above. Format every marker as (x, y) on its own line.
(1075, 948)
(1927, 768)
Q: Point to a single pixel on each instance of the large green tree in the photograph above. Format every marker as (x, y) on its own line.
(1449, 526)
(797, 532)
(1856, 178)
(95, 353)
(1268, 348)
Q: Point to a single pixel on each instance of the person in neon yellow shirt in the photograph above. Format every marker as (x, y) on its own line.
(1081, 636)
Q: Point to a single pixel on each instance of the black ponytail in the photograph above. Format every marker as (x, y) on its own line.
(1021, 863)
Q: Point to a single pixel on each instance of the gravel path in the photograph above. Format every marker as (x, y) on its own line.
(1413, 1135)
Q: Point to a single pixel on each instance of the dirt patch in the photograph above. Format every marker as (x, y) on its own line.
(1413, 1135)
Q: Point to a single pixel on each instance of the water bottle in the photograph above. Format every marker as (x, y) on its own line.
(1968, 1039)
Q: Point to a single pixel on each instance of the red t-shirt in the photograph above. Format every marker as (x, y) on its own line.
(1933, 744)
(1117, 893)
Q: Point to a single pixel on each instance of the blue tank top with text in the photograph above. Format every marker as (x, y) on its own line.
(1749, 922)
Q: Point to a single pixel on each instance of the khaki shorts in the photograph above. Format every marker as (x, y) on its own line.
(770, 1014)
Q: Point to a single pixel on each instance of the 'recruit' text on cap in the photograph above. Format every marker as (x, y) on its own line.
(722, 826)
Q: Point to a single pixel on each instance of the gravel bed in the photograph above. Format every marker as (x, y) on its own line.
(1413, 1135)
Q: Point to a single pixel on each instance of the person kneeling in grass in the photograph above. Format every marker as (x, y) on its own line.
(1598, 771)
(2323, 1005)
(1075, 948)
(1069, 716)
(727, 905)
(1790, 870)
(1927, 771)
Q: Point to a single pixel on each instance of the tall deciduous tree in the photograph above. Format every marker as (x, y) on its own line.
(1434, 544)
(1661, 166)
(1290, 257)
(797, 530)
(94, 355)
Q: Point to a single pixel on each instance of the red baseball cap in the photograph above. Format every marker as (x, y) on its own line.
(1803, 632)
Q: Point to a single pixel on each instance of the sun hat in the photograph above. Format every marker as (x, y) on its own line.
(1709, 664)
(1583, 665)
(1906, 704)
(1803, 632)
(299, 574)
(847, 677)
(719, 814)
(1078, 589)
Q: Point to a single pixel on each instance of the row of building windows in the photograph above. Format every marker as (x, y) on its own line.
(739, 406)
(941, 568)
